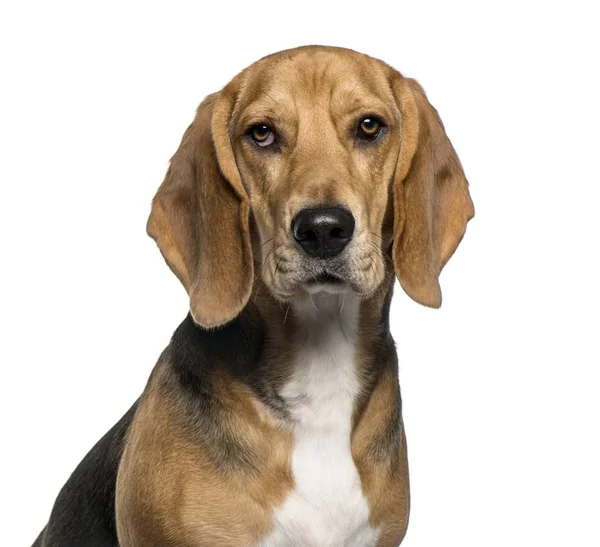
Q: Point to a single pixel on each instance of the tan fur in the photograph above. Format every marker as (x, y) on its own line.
(384, 482)
(224, 211)
(383, 472)
(193, 207)
(432, 201)
(170, 493)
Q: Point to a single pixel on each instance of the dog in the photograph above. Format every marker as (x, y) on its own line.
(298, 194)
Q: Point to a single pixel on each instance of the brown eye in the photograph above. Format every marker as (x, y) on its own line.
(369, 129)
(262, 135)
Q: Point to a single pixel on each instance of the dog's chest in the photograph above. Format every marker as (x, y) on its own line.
(327, 507)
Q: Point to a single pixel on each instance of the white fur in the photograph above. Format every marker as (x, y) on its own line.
(327, 507)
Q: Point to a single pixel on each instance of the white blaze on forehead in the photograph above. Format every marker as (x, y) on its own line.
(326, 507)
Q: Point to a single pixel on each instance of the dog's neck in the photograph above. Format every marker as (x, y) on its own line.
(323, 318)
(269, 342)
(323, 333)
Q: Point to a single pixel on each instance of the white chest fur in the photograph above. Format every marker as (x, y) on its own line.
(327, 507)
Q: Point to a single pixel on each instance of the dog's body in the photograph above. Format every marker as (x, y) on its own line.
(274, 416)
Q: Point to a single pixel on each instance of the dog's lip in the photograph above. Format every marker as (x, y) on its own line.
(325, 278)
(326, 283)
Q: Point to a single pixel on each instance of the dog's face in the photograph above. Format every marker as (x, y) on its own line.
(308, 167)
(316, 140)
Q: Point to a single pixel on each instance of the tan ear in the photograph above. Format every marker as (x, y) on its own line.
(432, 204)
(200, 217)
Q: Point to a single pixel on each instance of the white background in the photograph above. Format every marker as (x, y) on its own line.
(500, 386)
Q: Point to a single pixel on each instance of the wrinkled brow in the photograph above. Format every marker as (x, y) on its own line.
(358, 99)
(365, 106)
(257, 113)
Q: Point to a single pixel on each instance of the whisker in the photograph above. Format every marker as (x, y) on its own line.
(384, 240)
(377, 251)
(257, 288)
(262, 245)
(286, 313)
(273, 248)
(270, 262)
(276, 264)
(266, 261)
(343, 302)
(363, 258)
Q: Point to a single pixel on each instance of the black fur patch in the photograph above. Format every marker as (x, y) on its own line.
(234, 348)
(84, 512)
(196, 356)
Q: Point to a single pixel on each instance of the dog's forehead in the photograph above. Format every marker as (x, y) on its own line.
(314, 75)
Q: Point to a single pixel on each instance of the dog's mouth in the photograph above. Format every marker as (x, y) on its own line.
(325, 279)
(326, 283)
(290, 275)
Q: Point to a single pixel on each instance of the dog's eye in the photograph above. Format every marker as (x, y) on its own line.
(262, 135)
(369, 129)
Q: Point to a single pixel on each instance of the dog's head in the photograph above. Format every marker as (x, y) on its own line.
(322, 168)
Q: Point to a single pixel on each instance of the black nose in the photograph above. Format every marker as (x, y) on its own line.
(323, 232)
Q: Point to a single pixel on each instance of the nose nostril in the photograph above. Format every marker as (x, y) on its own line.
(308, 235)
(337, 233)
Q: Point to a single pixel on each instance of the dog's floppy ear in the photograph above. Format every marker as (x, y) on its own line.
(432, 204)
(200, 217)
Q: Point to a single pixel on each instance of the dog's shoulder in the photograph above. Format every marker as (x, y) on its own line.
(199, 434)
